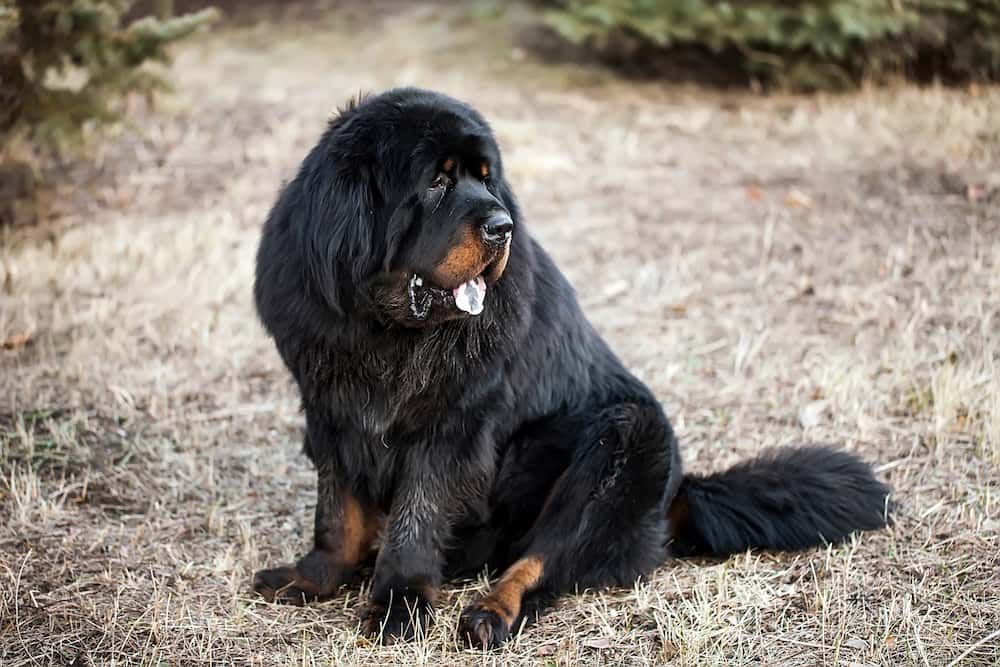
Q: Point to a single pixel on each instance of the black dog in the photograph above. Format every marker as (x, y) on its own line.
(460, 410)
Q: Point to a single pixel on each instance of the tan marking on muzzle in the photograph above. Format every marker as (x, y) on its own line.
(464, 261)
(498, 265)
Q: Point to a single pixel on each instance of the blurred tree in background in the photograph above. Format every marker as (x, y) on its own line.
(66, 63)
(806, 44)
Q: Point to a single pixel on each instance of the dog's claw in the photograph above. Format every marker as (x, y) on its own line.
(482, 628)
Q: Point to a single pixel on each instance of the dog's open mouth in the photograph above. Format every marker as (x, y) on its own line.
(465, 298)
(468, 297)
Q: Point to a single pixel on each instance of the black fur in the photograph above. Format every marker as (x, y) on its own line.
(787, 499)
(469, 441)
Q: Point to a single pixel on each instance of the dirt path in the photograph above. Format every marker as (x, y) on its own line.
(820, 269)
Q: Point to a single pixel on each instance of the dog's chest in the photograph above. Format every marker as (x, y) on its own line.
(385, 410)
(392, 449)
(400, 393)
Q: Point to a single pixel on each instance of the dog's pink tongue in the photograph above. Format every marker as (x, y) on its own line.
(469, 295)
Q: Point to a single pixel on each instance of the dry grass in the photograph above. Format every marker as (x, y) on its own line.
(822, 269)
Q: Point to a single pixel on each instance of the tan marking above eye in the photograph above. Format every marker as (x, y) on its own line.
(484, 169)
(448, 165)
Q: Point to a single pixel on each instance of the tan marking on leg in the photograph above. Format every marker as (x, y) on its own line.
(520, 578)
(360, 529)
(307, 585)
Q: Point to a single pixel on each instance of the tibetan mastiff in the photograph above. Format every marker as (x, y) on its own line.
(460, 410)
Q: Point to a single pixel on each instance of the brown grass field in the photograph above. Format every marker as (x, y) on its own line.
(777, 268)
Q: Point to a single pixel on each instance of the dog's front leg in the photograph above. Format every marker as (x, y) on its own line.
(346, 527)
(408, 569)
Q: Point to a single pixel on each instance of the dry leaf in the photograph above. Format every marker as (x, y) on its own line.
(811, 414)
(546, 649)
(856, 642)
(754, 193)
(678, 309)
(16, 341)
(799, 199)
(597, 642)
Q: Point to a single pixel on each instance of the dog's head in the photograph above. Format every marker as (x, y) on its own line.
(405, 211)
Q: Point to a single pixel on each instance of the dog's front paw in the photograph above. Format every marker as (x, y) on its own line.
(483, 627)
(401, 620)
(284, 585)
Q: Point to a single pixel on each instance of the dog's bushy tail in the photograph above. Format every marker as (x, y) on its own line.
(786, 499)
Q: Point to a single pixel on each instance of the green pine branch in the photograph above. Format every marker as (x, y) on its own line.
(66, 63)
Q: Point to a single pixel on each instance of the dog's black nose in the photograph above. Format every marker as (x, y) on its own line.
(497, 228)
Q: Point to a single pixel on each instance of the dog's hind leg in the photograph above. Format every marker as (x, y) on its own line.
(603, 522)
